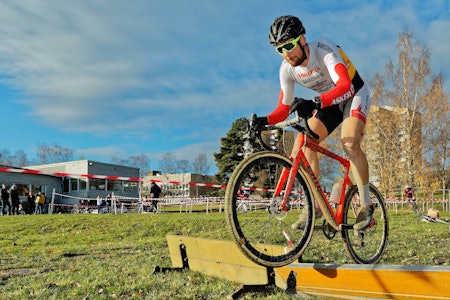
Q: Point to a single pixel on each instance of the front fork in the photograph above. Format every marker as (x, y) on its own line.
(288, 175)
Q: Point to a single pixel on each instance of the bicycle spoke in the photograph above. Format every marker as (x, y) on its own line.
(261, 227)
(366, 246)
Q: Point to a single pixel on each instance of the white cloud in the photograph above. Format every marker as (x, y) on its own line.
(139, 69)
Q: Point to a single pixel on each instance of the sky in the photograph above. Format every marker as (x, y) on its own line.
(119, 78)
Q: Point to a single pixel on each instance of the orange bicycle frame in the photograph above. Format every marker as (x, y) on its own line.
(300, 161)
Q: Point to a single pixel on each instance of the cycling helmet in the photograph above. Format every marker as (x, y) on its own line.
(285, 28)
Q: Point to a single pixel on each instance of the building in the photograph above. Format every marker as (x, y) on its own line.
(86, 179)
(179, 185)
(393, 143)
(28, 182)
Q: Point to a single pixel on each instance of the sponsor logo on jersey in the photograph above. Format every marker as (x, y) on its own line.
(325, 47)
(309, 73)
(344, 97)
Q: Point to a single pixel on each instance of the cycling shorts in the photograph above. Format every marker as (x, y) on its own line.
(358, 107)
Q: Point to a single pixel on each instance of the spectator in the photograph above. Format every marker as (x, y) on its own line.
(43, 200)
(100, 204)
(15, 200)
(5, 200)
(40, 201)
(31, 205)
(155, 191)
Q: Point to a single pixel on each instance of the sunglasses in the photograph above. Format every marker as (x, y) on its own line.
(288, 46)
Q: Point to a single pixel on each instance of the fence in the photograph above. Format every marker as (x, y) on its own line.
(120, 204)
(424, 204)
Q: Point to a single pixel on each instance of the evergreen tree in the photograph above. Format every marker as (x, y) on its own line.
(232, 149)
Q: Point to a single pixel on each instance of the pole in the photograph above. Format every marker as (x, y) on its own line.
(50, 211)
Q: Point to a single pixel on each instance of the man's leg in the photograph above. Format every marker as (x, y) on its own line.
(351, 137)
(318, 128)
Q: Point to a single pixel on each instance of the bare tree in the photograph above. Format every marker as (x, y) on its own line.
(140, 161)
(168, 163)
(419, 102)
(200, 164)
(182, 166)
(5, 156)
(20, 159)
(438, 156)
(53, 154)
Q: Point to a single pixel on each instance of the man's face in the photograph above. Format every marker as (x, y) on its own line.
(296, 55)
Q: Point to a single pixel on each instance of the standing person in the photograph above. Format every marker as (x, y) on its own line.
(42, 202)
(108, 200)
(5, 200)
(15, 200)
(100, 204)
(155, 191)
(31, 204)
(40, 199)
(321, 65)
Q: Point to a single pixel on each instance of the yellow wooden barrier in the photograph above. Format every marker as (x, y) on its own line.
(223, 259)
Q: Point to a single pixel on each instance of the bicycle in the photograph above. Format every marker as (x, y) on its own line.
(412, 202)
(280, 190)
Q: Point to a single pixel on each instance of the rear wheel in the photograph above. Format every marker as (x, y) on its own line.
(262, 231)
(368, 245)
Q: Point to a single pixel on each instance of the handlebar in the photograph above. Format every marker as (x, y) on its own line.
(294, 122)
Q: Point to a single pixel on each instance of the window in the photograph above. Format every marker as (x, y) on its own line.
(66, 185)
(117, 186)
(109, 185)
(96, 184)
(83, 184)
(74, 184)
(22, 189)
(130, 186)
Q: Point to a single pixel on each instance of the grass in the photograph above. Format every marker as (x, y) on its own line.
(91, 256)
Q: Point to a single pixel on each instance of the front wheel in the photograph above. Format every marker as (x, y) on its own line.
(366, 246)
(261, 229)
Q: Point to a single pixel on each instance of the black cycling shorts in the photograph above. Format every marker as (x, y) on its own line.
(332, 116)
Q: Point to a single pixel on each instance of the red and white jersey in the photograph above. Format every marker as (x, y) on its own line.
(329, 72)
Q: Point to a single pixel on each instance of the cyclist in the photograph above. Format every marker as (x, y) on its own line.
(408, 194)
(322, 66)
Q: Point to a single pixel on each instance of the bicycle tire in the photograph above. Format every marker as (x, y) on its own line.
(367, 246)
(263, 234)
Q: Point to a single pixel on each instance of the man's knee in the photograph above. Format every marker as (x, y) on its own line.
(352, 146)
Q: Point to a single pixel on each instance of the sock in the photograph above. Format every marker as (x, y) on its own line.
(367, 199)
(364, 195)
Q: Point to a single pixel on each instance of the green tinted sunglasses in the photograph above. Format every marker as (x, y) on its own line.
(288, 46)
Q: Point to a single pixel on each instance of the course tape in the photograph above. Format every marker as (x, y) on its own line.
(109, 177)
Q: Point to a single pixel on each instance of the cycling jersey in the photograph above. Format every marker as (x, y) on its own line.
(330, 73)
(409, 193)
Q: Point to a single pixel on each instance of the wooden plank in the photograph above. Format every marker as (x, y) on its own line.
(217, 258)
(223, 259)
(374, 281)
